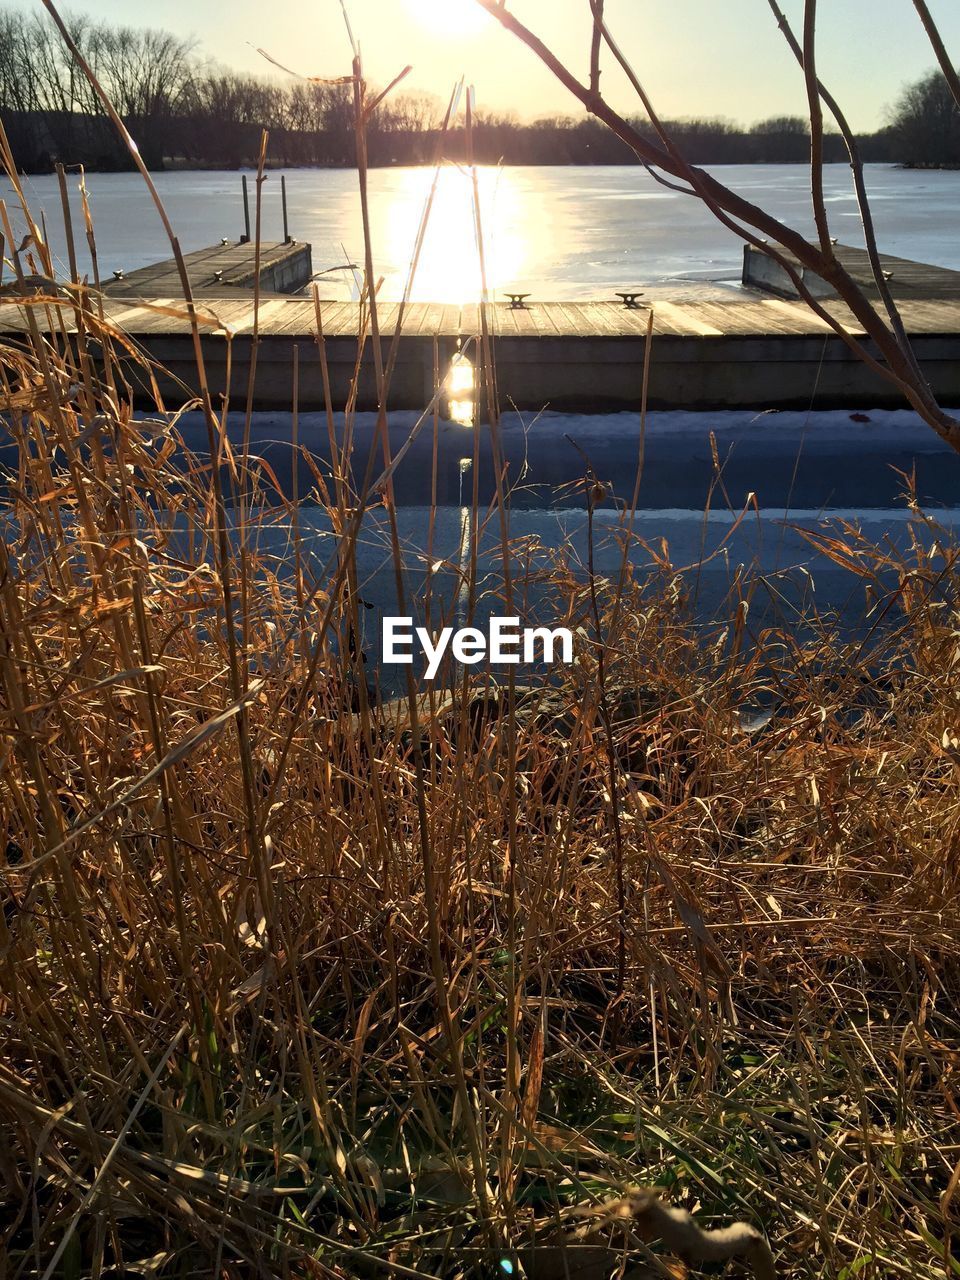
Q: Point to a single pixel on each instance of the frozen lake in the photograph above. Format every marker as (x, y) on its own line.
(568, 232)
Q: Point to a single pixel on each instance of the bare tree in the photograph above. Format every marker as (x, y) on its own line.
(414, 112)
(926, 124)
(885, 346)
(177, 105)
(54, 84)
(18, 79)
(148, 75)
(783, 138)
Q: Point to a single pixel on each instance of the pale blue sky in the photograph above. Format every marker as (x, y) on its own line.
(696, 57)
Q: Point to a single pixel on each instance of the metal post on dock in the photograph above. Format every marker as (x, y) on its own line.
(245, 238)
(283, 201)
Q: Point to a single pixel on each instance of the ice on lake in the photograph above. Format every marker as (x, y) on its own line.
(560, 232)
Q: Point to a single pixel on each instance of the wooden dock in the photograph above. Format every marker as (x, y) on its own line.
(283, 267)
(906, 280)
(754, 350)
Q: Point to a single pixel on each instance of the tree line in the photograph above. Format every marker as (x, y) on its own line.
(186, 112)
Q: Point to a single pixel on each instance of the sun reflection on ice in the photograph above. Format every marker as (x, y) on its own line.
(449, 267)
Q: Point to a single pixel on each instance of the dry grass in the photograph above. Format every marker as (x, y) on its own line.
(298, 984)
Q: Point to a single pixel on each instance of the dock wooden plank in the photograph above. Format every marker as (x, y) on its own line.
(13, 316)
(227, 310)
(768, 317)
(725, 318)
(930, 317)
(330, 317)
(522, 318)
(414, 317)
(282, 267)
(421, 319)
(572, 320)
(387, 316)
(598, 320)
(751, 347)
(640, 318)
(685, 320)
(469, 320)
(502, 321)
(750, 317)
(618, 320)
(268, 311)
(796, 317)
(785, 317)
(544, 317)
(341, 320)
(170, 315)
(162, 316)
(437, 319)
(446, 321)
(565, 322)
(663, 324)
(300, 318)
(841, 312)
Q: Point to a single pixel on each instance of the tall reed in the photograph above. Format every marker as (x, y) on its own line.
(299, 981)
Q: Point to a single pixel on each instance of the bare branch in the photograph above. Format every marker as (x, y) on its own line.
(809, 65)
(699, 189)
(372, 106)
(736, 210)
(863, 204)
(596, 7)
(939, 48)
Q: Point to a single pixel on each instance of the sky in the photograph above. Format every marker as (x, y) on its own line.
(695, 57)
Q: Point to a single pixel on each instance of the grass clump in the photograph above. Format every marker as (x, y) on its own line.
(298, 982)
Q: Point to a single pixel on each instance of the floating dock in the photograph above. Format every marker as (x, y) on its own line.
(753, 350)
(282, 267)
(906, 280)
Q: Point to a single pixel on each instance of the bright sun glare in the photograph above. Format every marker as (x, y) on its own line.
(449, 17)
(449, 265)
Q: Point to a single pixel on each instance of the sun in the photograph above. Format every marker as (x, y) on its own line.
(456, 18)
